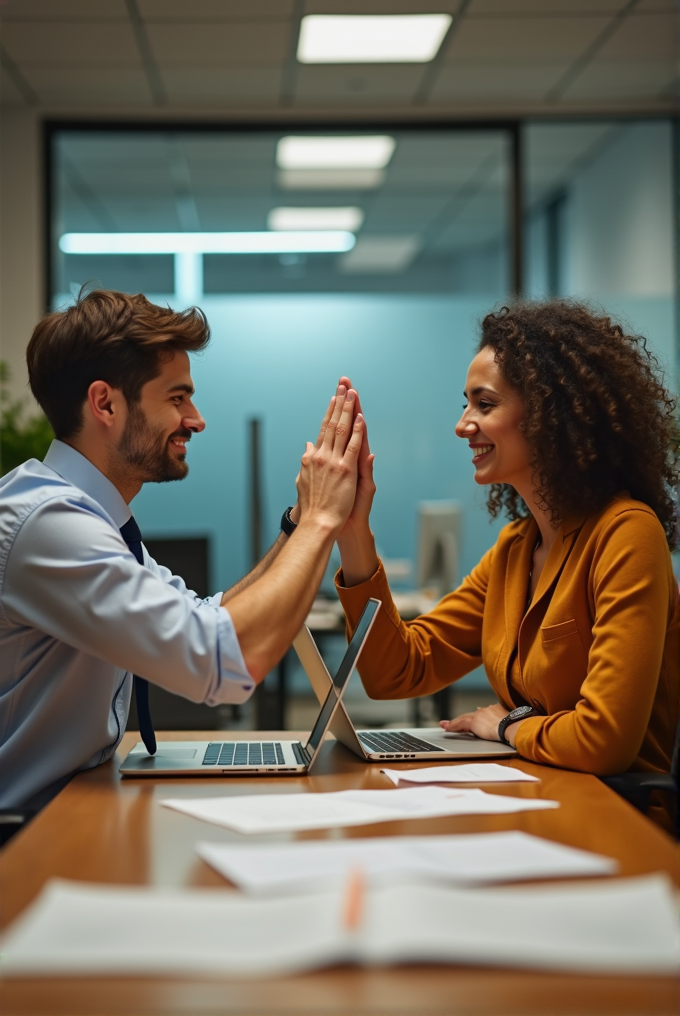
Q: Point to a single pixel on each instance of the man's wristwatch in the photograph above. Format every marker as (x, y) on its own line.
(521, 713)
(287, 525)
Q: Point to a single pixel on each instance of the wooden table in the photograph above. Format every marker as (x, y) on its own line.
(105, 829)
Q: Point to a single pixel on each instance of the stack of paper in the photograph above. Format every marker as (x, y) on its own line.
(474, 772)
(315, 865)
(624, 925)
(263, 813)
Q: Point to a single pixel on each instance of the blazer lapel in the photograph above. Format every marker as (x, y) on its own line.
(516, 586)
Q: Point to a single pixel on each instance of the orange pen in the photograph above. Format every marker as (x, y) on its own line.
(353, 904)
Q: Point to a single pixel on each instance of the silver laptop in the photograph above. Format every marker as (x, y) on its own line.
(390, 745)
(238, 758)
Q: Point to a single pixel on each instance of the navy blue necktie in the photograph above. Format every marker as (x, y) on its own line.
(133, 537)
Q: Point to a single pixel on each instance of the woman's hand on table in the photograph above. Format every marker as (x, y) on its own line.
(482, 723)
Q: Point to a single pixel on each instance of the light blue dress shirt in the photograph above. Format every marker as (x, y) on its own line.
(79, 616)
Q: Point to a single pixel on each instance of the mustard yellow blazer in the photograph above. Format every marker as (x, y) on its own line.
(597, 652)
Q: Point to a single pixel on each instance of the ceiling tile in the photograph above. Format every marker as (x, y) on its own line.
(642, 37)
(222, 85)
(520, 8)
(606, 80)
(62, 45)
(89, 86)
(515, 39)
(357, 84)
(63, 10)
(643, 6)
(381, 6)
(9, 93)
(497, 82)
(215, 10)
(233, 43)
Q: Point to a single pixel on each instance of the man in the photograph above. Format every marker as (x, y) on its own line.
(82, 605)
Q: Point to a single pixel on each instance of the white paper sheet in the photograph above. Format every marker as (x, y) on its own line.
(310, 866)
(473, 772)
(264, 813)
(628, 926)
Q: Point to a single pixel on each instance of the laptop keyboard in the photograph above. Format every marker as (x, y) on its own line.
(243, 753)
(395, 741)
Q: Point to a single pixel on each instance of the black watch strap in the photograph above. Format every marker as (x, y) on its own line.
(287, 525)
(521, 713)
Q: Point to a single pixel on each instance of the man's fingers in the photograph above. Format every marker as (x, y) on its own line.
(343, 429)
(332, 425)
(324, 422)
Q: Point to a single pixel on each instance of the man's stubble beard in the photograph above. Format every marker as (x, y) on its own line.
(145, 449)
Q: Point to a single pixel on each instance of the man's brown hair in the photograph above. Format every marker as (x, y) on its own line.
(105, 336)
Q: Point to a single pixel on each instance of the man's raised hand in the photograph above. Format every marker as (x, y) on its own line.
(327, 479)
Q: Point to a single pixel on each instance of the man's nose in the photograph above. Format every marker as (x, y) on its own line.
(194, 421)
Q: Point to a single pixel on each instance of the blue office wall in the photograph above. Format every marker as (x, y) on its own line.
(278, 358)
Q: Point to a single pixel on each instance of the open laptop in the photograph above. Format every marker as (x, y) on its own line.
(239, 758)
(390, 745)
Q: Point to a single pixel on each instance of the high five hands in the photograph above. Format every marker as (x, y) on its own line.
(327, 481)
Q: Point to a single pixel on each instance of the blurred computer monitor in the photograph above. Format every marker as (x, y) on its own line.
(439, 536)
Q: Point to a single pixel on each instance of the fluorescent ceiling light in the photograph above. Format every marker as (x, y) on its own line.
(315, 218)
(367, 151)
(371, 38)
(330, 179)
(380, 254)
(298, 242)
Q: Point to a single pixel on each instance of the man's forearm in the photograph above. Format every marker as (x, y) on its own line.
(269, 612)
(258, 571)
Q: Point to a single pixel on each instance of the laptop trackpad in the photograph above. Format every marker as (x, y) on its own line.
(176, 753)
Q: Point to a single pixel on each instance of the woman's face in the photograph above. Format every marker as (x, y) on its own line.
(490, 424)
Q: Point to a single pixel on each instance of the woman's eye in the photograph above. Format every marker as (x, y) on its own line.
(485, 405)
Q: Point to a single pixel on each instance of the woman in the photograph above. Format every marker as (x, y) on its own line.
(574, 610)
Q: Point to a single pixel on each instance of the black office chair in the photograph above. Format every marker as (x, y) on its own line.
(637, 788)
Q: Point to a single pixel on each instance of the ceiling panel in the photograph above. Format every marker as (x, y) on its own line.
(91, 87)
(57, 44)
(233, 43)
(643, 79)
(215, 10)
(544, 7)
(357, 84)
(219, 86)
(643, 37)
(56, 10)
(535, 39)
(9, 93)
(498, 83)
(381, 6)
(408, 214)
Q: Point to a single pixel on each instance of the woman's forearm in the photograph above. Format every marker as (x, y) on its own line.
(358, 556)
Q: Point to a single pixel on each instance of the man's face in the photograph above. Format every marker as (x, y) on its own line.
(158, 426)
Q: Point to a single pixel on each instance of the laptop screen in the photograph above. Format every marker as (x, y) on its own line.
(342, 676)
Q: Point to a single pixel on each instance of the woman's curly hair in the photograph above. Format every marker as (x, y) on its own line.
(598, 419)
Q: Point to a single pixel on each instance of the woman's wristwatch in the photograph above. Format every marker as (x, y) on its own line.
(521, 713)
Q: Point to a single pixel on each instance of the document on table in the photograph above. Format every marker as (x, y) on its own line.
(309, 866)
(473, 772)
(264, 813)
(627, 926)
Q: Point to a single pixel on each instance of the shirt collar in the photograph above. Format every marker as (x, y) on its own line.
(79, 471)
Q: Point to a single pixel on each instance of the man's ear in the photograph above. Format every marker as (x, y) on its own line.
(105, 403)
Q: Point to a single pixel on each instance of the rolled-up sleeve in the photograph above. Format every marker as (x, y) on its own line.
(73, 578)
